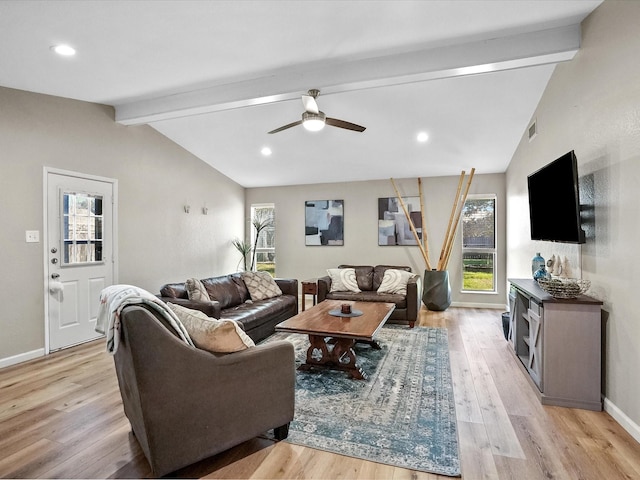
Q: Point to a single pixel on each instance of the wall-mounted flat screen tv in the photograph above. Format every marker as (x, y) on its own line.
(554, 202)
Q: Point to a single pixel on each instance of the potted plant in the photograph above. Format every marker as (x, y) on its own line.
(261, 220)
(245, 250)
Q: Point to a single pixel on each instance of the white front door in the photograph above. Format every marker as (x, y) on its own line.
(79, 254)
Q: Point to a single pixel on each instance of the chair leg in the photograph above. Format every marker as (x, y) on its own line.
(281, 432)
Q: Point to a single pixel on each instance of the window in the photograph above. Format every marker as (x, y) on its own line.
(263, 227)
(479, 244)
(81, 228)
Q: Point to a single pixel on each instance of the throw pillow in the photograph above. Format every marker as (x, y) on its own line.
(261, 285)
(196, 290)
(211, 334)
(343, 280)
(395, 281)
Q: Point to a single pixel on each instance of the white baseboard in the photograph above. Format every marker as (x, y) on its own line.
(619, 416)
(22, 357)
(496, 306)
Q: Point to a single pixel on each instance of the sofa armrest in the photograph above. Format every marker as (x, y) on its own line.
(289, 286)
(324, 287)
(414, 297)
(211, 308)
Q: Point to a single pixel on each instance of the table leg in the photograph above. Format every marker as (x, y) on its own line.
(340, 357)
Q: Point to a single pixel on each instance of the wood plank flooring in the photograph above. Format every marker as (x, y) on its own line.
(61, 417)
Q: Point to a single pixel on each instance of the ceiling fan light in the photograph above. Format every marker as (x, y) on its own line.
(313, 122)
(313, 125)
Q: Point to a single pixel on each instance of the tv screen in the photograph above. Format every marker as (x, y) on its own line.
(554, 202)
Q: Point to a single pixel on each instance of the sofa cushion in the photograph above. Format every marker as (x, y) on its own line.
(217, 336)
(196, 290)
(399, 300)
(364, 276)
(240, 285)
(395, 281)
(261, 285)
(225, 289)
(378, 273)
(343, 280)
(258, 319)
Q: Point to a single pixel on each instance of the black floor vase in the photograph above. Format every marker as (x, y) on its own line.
(436, 292)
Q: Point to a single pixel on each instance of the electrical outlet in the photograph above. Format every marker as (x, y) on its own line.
(32, 236)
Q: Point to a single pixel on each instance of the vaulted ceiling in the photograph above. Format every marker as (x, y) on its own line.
(216, 76)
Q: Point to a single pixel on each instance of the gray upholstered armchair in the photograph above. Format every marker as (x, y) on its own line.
(186, 404)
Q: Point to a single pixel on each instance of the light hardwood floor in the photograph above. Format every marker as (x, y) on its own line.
(61, 417)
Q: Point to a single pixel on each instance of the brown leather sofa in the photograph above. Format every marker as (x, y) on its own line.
(229, 297)
(369, 279)
(186, 404)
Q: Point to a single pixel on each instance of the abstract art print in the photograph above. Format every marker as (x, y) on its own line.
(393, 227)
(324, 222)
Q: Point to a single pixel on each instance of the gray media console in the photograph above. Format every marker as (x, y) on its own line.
(558, 343)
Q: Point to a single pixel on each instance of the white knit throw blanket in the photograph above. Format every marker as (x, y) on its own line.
(115, 297)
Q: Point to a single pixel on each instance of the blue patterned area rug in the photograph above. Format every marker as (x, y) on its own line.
(402, 415)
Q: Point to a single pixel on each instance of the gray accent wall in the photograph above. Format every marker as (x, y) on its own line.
(158, 242)
(361, 228)
(592, 105)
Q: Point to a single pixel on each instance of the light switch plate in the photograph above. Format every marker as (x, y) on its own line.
(32, 236)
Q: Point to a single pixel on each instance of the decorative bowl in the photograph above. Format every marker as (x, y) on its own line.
(564, 287)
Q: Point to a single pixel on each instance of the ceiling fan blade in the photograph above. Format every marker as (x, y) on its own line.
(286, 126)
(310, 104)
(334, 122)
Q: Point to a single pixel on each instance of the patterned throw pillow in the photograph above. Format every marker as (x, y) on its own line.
(217, 336)
(343, 280)
(261, 285)
(196, 290)
(395, 281)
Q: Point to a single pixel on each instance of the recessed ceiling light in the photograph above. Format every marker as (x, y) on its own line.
(422, 137)
(64, 50)
(266, 151)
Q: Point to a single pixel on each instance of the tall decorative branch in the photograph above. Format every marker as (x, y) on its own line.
(445, 242)
(457, 221)
(412, 226)
(454, 220)
(425, 241)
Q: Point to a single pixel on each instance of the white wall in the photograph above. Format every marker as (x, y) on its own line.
(158, 242)
(592, 105)
(294, 259)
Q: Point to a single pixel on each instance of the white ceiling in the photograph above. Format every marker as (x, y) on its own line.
(216, 76)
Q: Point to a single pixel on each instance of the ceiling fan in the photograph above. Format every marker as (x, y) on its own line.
(314, 120)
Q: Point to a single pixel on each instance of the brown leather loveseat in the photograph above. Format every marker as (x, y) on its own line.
(369, 279)
(230, 300)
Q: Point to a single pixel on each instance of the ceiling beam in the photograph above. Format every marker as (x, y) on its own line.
(342, 75)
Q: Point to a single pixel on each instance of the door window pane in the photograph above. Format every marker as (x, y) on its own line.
(82, 223)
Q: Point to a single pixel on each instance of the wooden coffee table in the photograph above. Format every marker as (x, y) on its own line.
(332, 338)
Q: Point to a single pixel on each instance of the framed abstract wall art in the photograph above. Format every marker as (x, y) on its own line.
(324, 222)
(393, 227)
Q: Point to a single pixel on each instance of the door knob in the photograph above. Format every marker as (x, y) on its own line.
(54, 260)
